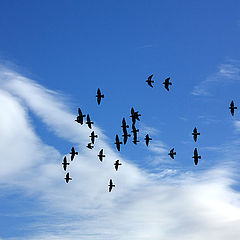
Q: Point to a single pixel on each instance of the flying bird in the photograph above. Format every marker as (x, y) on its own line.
(134, 115)
(117, 164)
(117, 142)
(135, 140)
(196, 156)
(167, 83)
(111, 185)
(99, 96)
(150, 81)
(65, 163)
(90, 146)
(92, 136)
(124, 125)
(232, 107)
(147, 139)
(67, 178)
(100, 155)
(172, 153)
(73, 153)
(134, 131)
(125, 136)
(80, 117)
(89, 122)
(195, 134)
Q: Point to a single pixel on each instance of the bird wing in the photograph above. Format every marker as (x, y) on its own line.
(150, 77)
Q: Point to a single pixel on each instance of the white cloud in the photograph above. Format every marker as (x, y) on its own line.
(171, 205)
(227, 73)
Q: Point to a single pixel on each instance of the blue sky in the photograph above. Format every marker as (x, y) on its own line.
(54, 55)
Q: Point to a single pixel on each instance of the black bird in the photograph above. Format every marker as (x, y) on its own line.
(172, 153)
(196, 156)
(125, 136)
(232, 108)
(80, 117)
(92, 136)
(117, 142)
(100, 155)
(150, 81)
(195, 134)
(147, 139)
(67, 178)
(99, 96)
(117, 164)
(134, 131)
(65, 163)
(135, 141)
(73, 153)
(90, 146)
(111, 185)
(124, 125)
(167, 83)
(89, 122)
(135, 116)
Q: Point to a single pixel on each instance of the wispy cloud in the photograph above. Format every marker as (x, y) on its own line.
(169, 205)
(227, 73)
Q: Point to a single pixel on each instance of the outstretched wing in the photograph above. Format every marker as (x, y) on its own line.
(150, 77)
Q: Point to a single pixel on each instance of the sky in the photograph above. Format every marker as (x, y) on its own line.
(54, 55)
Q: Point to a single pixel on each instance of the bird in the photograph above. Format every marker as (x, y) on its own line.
(111, 185)
(232, 107)
(65, 163)
(196, 156)
(117, 142)
(147, 139)
(67, 178)
(93, 136)
(73, 153)
(167, 83)
(99, 96)
(172, 153)
(117, 164)
(150, 81)
(134, 115)
(195, 134)
(100, 155)
(80, 117)
(90, 146)
(89, 122)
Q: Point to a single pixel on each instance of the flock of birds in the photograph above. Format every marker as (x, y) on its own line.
(134, 116)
